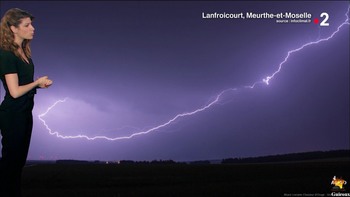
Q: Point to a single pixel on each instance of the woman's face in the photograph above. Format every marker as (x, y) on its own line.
(25, 30)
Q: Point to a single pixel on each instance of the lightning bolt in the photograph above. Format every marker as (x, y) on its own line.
(264, 81)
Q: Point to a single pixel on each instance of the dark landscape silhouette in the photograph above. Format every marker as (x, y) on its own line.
(277, 175)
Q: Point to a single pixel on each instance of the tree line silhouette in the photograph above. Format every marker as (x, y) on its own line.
(303, 156)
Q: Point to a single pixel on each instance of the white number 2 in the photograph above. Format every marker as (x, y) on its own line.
(324, 22)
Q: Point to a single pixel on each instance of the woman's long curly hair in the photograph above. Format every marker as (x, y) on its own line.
(13, 17)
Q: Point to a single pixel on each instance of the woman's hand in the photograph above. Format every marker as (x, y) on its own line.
(17, 91)
(44, 82)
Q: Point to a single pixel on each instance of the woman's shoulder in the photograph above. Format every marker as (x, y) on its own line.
(7, 58)
(7, 53)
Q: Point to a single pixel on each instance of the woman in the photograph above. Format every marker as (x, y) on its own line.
(16, 120)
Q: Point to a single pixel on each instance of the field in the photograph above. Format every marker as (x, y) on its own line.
(101, 180)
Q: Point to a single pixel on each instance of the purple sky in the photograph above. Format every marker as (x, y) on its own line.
(128, 67)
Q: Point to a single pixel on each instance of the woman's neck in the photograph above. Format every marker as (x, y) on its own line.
(18, 41)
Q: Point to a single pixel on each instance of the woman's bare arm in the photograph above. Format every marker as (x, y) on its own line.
(17, 91)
